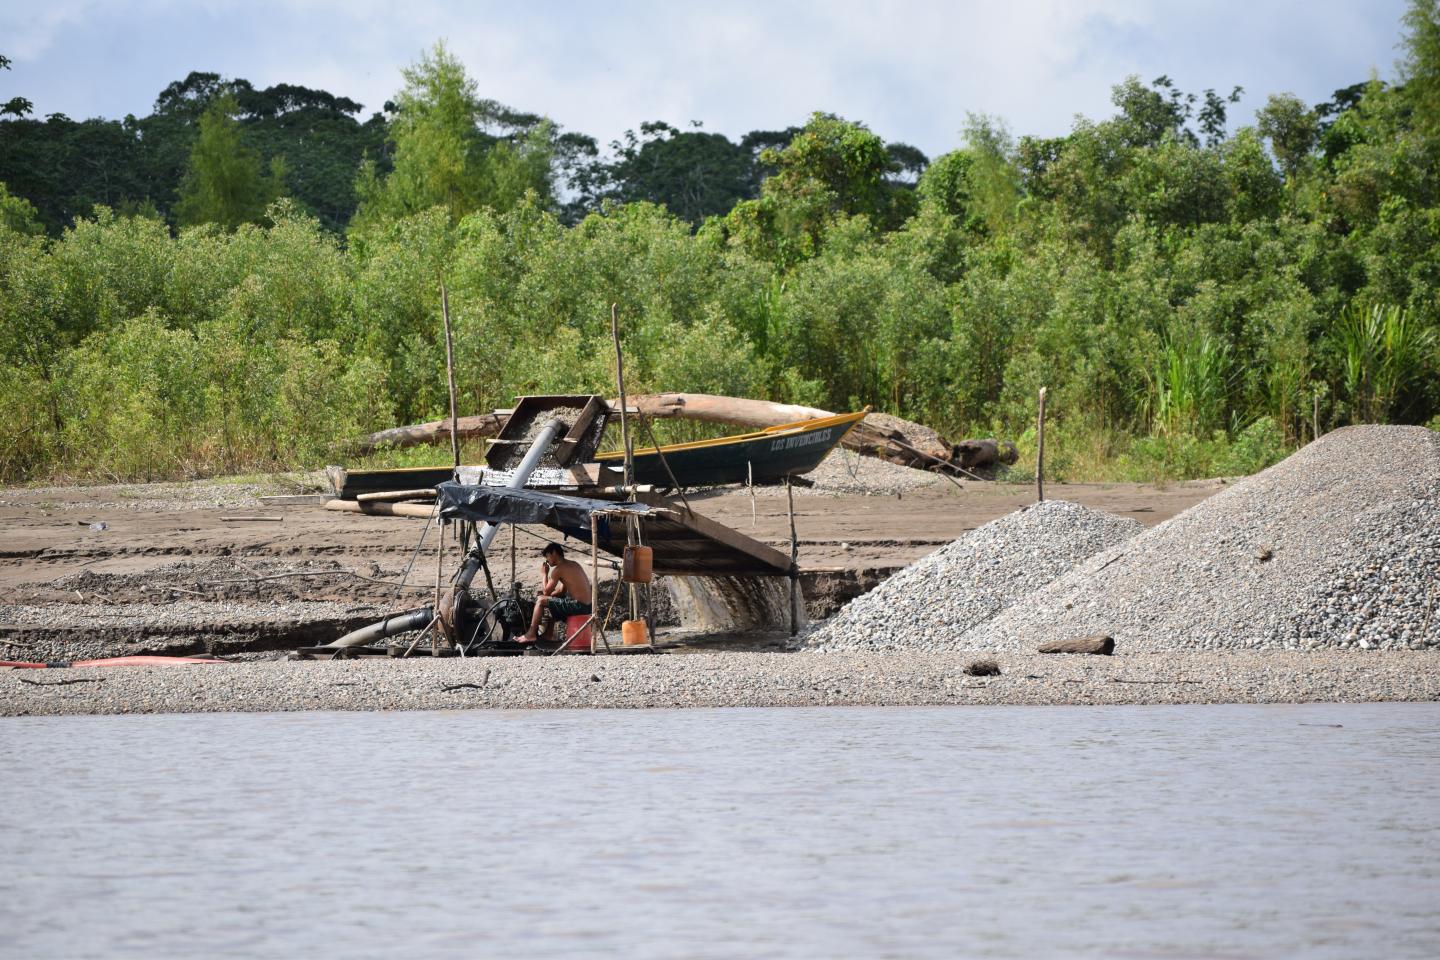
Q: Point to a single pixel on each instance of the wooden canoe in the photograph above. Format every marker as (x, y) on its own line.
(768, 455)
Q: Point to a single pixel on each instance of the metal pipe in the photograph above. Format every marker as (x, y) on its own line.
(474, 557)
(517, 480)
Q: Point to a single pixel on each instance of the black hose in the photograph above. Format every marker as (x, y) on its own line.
(389, 627)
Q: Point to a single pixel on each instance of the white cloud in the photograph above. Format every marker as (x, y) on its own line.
(911, 70)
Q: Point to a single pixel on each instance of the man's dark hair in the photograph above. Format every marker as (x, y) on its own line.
(554, 548)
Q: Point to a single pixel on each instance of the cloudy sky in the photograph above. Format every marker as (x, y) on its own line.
(910, 70)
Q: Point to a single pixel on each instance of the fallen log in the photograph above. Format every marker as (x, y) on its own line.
(880, 435)
(1097, 644)
(484, 425)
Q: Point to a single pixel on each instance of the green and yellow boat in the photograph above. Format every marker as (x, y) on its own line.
(765, 456)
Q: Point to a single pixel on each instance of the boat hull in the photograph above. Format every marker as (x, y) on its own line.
(765, 457)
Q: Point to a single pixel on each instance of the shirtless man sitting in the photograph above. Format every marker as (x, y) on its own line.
(565, 592)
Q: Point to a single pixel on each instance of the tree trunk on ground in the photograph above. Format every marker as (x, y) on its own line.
(437, 431)
(879, 435)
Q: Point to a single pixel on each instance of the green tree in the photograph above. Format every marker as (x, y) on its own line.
(695, 174)
(1292, 129)
(445, 153)
(993, 176)
(15, 106)
(17, 214)
(1420, 65)
(224, 183)
(832, 166)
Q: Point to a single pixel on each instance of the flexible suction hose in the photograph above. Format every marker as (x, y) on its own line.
(389, 627)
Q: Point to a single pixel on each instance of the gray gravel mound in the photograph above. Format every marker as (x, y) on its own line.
(1337, 546)
(931, 603)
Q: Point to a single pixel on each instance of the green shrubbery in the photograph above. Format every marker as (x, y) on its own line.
(1193, 309)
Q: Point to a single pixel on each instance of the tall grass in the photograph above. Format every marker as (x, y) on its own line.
(1189, 386)
(1383, 353)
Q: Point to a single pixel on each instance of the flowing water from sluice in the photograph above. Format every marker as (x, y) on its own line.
(732, 603)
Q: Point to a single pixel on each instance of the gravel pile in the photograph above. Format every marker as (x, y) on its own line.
(1336, 547)
(845, 473)
(933, 603)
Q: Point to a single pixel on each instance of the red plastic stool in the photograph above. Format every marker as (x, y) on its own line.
(581, 643)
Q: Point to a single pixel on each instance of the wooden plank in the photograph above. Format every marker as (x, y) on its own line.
(735, 540)
(423, 511)
(396, 495)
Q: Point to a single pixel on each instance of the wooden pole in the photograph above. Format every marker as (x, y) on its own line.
(750, 482)
(1315, 417)
(598, 622)
(620, 384)
(512, 554)
(439, 570)
(630, 539)
(664, 462)
(1040, 451)
(794, 560)
(450, 372)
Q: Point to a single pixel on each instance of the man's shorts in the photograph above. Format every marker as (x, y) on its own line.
(562, 607)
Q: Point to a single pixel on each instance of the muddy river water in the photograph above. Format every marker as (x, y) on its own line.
(1155, 832)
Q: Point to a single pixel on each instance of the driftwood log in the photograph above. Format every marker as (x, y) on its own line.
(1099, 644)
(436, 431)
(880, 435)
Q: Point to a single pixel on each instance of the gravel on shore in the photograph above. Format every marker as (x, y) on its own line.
(933, 602)
(727, 679)
(1337, 546)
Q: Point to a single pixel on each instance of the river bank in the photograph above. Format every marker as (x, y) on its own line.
(730, 679)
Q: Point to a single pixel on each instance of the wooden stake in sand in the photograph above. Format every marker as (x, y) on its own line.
(1040, 451)
(750, 483)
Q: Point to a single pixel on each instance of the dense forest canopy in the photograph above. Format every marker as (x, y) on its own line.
(246, 276)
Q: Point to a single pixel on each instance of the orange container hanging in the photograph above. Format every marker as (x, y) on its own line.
(638, 565)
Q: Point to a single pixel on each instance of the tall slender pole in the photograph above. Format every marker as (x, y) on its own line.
(512, 554)
(794, 560)
(620, 383)
(1040, 451)
(599, 622)
(439, 572)
(450, 372)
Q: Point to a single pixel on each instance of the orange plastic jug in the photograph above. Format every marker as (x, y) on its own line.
(639, 564)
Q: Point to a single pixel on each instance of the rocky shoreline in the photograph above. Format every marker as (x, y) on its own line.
(729, 679)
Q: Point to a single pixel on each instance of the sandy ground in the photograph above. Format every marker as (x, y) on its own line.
(168, 573)
(725, 680)
(158, 568)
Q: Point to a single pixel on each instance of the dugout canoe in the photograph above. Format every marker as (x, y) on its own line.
(765, 456)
